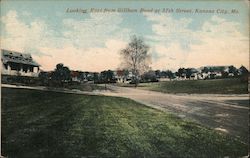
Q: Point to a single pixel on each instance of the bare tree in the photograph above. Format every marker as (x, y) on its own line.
(136, 58)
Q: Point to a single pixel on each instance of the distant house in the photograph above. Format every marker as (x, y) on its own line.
(189, 73)
(243, 70)
(120, 76)
(214, 71)
(75, 76)
(18, 64)
(123, 76)
(194, 74)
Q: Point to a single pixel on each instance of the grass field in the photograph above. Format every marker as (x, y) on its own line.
(216, 86)
(86, 87)
(50, 124)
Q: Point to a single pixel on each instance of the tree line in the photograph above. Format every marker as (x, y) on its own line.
(135, 59)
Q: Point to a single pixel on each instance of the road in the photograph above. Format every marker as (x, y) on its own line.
(225, 113)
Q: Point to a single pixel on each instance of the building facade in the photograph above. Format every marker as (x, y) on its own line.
(18, 64)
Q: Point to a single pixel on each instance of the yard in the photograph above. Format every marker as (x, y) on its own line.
(86, 87)
(215, 86)
(51, 124)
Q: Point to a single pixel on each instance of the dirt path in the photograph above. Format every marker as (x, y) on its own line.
(226, 113)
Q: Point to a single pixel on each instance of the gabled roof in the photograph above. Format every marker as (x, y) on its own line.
(16, 57)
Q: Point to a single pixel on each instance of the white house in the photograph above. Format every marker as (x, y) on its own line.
(122, 76)
(18, 64)
(214, 71)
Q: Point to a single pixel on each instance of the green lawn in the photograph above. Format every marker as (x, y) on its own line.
(52, 125)
(215, 86)
(86, 87)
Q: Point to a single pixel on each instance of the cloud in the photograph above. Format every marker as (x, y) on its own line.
(172, 56)
(91, 59)
(222, 44)
(166, 25)
(91, 44)
(168, 30)
(23, 37)
(217, 42)
(95, 30)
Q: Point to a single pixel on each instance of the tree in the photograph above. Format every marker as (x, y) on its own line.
(107, 77)
(96, 77)
(61, 74)
(163, 74)
(149, 76)
(126, 75)
(44, 77)
(205, 70)
(136, 57)
(233, 70)
(170, 74)
(188, 73)
(181, 72)
(158, 73)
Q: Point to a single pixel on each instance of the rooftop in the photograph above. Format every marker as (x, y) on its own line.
(17, 57)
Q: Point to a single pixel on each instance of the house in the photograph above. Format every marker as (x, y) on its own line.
(120, 76)
(242, 70)
(123, 76)
(18, 64)
(211, 72)
(75, 76)
(188, 73)
(194, 74)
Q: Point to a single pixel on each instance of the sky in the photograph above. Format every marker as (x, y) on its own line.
(179, 33)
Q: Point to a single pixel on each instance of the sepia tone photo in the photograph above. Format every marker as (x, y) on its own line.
(124, 78)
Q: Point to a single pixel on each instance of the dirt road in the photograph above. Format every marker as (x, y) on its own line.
(226, 113)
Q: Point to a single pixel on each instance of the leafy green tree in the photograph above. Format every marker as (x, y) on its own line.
(170, 74)
(149, 76)
(61, 74)
(107, 76)
(181, 71)
(188, 73)
(158, 73)
(96, 77)
(126, 74)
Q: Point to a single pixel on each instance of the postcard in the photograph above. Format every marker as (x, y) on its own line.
(124, 78)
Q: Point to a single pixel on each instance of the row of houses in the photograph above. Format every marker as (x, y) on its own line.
(122, 76)
(209, 72)
(20, 64)
(125, 76)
